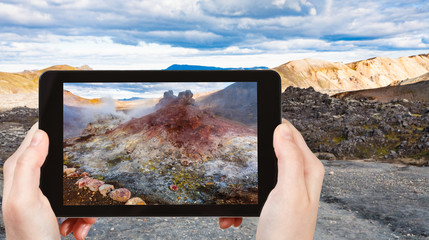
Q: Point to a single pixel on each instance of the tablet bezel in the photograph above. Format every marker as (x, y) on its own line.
(51, 121)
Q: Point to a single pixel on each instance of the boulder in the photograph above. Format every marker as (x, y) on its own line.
(67, 171)
(120, 195)
(84, 174)
(105, 189)
(73, 174)
(135, 201)
(83, 181)
(94, 184)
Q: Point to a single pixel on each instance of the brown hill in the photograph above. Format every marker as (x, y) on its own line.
(424, 77)
(334, 76)
(76, 101)
(27, 81)
(413, 92)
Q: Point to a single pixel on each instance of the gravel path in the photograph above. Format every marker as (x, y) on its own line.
(360, 200)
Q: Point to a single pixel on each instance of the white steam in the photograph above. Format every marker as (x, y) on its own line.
(76, 119)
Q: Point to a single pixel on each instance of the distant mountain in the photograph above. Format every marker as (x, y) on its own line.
(130, 99)
(335, 76)
(28, 81)
(237, 102)
(197, 67)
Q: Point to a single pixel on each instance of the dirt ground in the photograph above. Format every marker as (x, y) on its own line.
(360, 200)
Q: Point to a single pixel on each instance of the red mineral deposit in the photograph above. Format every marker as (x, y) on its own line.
(174, 187)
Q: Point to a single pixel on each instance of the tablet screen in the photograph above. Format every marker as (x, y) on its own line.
(160, 143)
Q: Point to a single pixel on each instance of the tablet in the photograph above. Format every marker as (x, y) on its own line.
(159, 143)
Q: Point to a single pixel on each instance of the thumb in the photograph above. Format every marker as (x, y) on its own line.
(290, 159)
(26, 177)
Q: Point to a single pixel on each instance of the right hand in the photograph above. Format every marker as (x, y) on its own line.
(290, 211)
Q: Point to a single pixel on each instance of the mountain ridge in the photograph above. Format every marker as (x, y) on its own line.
(325, 76)
(370, 73)
(28, 80)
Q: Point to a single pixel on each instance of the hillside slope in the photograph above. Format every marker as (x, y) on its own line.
(413, 92)
(335, 76)
(28, 81)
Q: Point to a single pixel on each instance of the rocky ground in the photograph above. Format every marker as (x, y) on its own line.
(350, 129)
(360, 199)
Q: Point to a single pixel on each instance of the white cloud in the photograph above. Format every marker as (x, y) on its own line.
(20, 15)
(191, 36)
(153, 34)
(257, 8)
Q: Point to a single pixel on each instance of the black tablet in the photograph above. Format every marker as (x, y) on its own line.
(159, 143)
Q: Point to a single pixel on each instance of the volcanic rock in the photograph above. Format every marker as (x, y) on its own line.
(94, 184)
(67, 171)
(105, 189)
(359, 129)
(120, 195)
(135, 201)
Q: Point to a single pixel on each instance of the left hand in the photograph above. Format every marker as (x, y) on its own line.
(27, 212)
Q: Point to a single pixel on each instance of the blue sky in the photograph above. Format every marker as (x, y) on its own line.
(154, 34)
(140, 90)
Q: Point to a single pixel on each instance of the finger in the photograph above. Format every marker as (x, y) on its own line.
(26, 176)
(290, 161)
(67, 226)
(225, 223)
(9, 165)
(313, 167)
(237, 222)
(89, 220)
(299, 139)
(81, 228)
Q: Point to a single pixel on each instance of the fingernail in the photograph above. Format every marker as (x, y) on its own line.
(37, 138)
(85, 231)
(286, 133)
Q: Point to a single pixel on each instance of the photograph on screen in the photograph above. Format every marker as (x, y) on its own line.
(160, 143)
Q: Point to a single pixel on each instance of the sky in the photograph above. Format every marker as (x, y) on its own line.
(139, 90)
(154, 34)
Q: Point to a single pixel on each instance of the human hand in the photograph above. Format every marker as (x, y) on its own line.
(27, 212)
(290, 211)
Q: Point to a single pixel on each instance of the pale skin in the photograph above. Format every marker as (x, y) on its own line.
(290, 211)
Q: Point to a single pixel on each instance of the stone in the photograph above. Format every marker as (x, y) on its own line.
(331, 173)
(84, 174)
(105, 189)
(94, 184)
(83, 181)
(120, 195)
(67, 171)
(135, 201)
(73, 174)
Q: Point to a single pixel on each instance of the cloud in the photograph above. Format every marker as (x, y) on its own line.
(155, 33)
(10, 13)
(139, 90)
(257, 8)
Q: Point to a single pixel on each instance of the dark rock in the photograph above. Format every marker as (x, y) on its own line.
(358, 129)
(325, 156)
